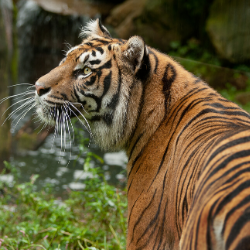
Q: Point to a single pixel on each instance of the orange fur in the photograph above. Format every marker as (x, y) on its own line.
(188, 147)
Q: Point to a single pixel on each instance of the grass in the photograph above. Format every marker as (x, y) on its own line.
(90, 219)
(230, 93)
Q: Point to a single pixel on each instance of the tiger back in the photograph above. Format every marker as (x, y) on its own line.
(188, 148)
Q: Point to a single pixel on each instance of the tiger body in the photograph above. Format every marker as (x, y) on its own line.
(188, 147)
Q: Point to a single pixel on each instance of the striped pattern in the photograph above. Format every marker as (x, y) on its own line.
(188, 147)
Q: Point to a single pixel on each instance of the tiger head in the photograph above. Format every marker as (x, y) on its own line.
(95, 82)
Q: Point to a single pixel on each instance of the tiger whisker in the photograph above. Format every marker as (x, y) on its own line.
(15, 104)
(68, 123)
(32, 85)
(17, 109)
(89, 129)
(81, 106)
(13, 96)
(24, 114)
(44, 125)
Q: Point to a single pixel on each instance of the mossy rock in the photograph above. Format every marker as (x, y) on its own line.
(228, 27)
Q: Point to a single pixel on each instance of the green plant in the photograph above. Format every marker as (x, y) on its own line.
(90, 219)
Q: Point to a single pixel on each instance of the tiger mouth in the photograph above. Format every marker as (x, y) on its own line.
(59, 114)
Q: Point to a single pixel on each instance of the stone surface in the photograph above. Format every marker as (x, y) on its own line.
(123, 16)
(228, 27)
(76, 7)
(159, 22)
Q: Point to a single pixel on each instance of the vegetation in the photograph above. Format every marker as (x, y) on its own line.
(90, 219)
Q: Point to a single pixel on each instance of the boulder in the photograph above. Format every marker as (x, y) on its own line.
(228, 28)
(77, 7)
(123, 16)
(159, 22)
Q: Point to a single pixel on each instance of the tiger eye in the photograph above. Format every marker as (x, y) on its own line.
(87, 70)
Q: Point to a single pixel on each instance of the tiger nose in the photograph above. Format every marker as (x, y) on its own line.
(41, 89)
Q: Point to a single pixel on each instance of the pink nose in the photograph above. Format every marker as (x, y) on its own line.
(41, 89)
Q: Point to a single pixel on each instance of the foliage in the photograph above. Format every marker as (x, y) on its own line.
(230, 93)
(89, 219)
(194, 51)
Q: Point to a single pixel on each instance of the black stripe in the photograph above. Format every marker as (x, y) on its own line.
(89, 44)
(95, 62)
(145, 69)
(77, 96)
(137, 140)
(85, 59)
(106, 65)
(91, 81)
(219, 105)
(93, 53)
(245, 201)
(135, 160)
(64, 96)
(225, 147)
(156, 60)
(107, 82)
(167, 83)
(228, 198)
(234, 156)
(100, 50)
(56, 97)
(153, 221)
(134, 205)
(101, 41)
(115, 99)
(108, 118)
(141, 216)
(105, 31)
(240, 223)
(244, 244)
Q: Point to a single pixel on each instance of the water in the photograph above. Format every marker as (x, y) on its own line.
(65, 169)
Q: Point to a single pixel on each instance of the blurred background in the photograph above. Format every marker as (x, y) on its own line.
(210, 38)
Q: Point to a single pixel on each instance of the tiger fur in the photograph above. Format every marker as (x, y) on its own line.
(188, 148)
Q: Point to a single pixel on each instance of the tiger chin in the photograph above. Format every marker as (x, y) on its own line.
(188, 147)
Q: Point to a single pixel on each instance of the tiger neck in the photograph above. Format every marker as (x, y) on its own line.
(167, 84)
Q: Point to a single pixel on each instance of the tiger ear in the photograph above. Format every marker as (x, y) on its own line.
(95, 27)
(134, 51)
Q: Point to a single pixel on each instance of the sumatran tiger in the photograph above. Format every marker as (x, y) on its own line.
(188, 171)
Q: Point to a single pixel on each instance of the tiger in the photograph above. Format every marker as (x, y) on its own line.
(188, 148)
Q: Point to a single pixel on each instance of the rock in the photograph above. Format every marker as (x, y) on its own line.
(228, 27)
(159, 22)
(76, 7)
(123, 16)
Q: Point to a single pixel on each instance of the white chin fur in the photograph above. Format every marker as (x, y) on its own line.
(43, 117)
